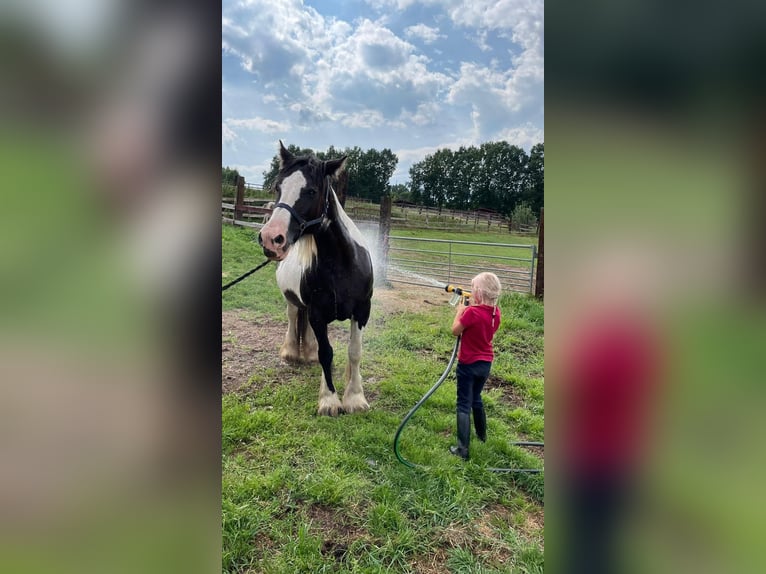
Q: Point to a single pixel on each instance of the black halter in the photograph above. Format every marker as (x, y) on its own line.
(303, 224)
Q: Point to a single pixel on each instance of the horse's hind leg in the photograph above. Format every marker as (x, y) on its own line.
(290, 350)
(353, 398)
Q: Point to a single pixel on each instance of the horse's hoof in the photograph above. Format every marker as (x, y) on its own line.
(330, 411)
(330, 407)
(289, 355)
(355, 404)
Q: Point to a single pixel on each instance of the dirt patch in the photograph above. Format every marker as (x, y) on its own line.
(401, 297)
(337, 536)
(251, 345)
(433, 563)
(534, 524)
(497, 513)
(509, 394)
(246, 346)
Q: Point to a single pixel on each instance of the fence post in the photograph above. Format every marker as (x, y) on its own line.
(540, 282)
(239, 202)
(384, 231)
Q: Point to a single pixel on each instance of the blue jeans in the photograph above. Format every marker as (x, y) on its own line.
(470, 381)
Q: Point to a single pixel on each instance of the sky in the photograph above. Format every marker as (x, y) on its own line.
(411, 76)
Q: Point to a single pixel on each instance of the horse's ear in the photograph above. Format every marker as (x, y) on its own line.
(335, 166)
(284, 155)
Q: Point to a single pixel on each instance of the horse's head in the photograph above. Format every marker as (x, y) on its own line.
(303, 200)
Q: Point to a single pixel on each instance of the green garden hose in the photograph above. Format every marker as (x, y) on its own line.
(425, 397)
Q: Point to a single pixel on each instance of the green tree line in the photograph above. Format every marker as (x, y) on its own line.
(496, 175)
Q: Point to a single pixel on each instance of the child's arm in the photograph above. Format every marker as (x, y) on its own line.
(457, 326)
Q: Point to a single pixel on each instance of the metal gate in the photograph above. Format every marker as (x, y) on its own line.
(438, 262)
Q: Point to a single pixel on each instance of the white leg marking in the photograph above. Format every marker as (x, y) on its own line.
(329, 404)
(290, 350)
(353, 398)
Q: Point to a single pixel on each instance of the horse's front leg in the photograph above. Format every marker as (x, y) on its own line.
(353, 398)
(290, 350)
(329, 404)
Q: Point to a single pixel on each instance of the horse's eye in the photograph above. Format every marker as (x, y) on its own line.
(311, 192)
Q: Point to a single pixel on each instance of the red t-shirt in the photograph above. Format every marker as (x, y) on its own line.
(610, 390)
(476, 341)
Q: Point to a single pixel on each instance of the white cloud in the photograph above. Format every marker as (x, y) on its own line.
(366, 119)
(524, 136)
(314, 78)
(228, 135)
(428, 34)
(497, 97)
(258, 124)
(374, 70)
(524, 20)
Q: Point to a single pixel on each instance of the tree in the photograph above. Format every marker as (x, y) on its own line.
(523, 215)
(400, 192)
(492, 176)
(229, 176)
(372, 174)
(534, 185)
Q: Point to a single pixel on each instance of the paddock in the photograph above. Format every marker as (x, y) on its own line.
(309, 493)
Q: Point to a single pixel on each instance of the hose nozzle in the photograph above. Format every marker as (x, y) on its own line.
(458, 294)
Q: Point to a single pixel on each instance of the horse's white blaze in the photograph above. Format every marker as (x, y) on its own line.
(290, 191)
(298, 260)
(353, 398)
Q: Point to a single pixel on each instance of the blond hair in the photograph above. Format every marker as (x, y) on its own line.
(486, 288)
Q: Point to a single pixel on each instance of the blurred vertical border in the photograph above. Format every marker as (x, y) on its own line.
(655, 181)
(109, 277)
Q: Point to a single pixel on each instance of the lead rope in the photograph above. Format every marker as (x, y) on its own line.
(241, 277)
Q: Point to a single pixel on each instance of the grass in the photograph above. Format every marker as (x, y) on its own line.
(302, 493)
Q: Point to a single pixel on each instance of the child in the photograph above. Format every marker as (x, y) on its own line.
(477, 324)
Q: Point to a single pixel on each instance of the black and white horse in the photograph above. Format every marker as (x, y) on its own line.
(324, 272)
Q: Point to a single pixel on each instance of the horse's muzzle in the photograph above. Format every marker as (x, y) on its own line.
(273, 247)
(272, 255)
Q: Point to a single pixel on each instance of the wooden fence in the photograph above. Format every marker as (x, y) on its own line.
(248, 212)
(252, 212)
(444, 219)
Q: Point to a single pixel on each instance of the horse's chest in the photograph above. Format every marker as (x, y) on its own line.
(289, 280)
(291, 271)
